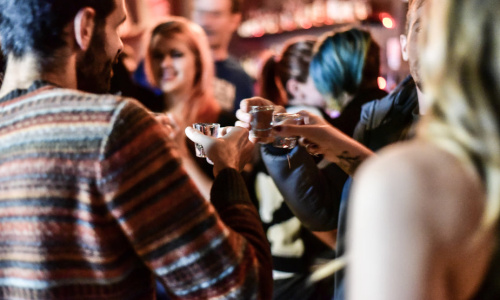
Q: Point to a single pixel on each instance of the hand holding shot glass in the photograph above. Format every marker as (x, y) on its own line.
(264, 118)
(289, 119)
(231, 148)
(210, 129)
(261, 123)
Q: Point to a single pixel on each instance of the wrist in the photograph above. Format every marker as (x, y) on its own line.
(218, 169)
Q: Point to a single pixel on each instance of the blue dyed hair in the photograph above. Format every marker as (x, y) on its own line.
(338, 65)
(37, 25)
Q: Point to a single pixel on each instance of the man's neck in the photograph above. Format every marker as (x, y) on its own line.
(220, 53)
(423, 104)
(22, 72)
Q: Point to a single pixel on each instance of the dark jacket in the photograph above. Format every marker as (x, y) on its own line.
(311, 192)
(390, 119)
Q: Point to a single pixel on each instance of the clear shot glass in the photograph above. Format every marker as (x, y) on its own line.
(211, 129)
(262, 118)
(287, 118)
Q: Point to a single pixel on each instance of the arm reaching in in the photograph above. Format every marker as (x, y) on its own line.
(319, 137)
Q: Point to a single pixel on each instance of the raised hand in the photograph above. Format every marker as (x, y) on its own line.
(232, 150)
(245, 118)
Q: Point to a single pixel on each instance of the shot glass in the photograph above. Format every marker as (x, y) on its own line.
(262, 118)
(286, 142)
(211, 129)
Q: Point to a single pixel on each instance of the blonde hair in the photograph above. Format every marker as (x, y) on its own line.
(461, 73)
(203, 90)
(461, 76)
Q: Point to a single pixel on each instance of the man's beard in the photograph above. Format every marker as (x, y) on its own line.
(94, 68)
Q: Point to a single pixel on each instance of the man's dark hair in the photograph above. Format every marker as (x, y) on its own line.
(37, 25)
(236, 6)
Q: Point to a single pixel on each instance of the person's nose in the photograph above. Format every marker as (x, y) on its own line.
(204, 19)
(166, 62)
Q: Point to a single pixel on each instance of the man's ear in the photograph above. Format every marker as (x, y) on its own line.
(403, 40)
(84, 23)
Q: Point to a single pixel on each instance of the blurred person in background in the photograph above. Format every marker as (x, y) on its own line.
(382, 122)
(295, 249)
(179, 63)
(285, 78)
(344, 68)
(424, 220)
(394, 117)
(350, 52)
(220, 19)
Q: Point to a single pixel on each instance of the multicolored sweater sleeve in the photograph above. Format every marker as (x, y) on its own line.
(200, 250)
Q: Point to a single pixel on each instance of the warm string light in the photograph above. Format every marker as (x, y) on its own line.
(297, 15)
(387, 20)
(382, 83)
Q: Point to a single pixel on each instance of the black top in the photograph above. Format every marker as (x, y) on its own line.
(230, 71)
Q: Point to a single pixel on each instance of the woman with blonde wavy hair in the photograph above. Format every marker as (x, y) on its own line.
(424, 220)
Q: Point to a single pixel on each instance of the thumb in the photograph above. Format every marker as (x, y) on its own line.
(196, 136)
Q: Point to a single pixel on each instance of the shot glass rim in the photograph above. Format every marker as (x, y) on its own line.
(206, 124)
(261, 108)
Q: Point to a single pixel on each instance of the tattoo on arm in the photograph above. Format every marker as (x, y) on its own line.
(349, 163)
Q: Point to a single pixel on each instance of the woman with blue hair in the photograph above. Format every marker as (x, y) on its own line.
(344, 69)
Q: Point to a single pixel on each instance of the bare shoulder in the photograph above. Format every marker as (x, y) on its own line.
(422, 180)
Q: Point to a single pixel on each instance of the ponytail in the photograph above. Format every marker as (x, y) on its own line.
(271, 86)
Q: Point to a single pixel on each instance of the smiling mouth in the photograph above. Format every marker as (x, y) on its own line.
(168, 75)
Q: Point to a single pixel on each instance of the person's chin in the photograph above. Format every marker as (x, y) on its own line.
(167, 88)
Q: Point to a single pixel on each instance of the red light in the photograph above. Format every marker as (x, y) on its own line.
(382, 83)
(386, 20)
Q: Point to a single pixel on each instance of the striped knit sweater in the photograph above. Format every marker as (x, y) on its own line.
(94, 204)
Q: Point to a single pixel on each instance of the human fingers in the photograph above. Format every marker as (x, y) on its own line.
(243, 116)
(279, 109)
(234, 132)
(316, 134)
(245, 104)
(198, 137)
(310, 118)
(225, 130)
(242, 124)
(237, 142)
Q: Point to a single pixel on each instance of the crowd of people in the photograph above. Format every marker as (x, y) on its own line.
(387, 196)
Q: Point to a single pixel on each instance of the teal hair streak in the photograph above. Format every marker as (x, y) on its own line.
(337, 66)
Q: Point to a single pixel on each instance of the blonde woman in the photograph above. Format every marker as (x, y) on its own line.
(179, 62)
(424, 220)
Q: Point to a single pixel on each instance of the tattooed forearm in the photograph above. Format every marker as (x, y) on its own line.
(349, 163)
